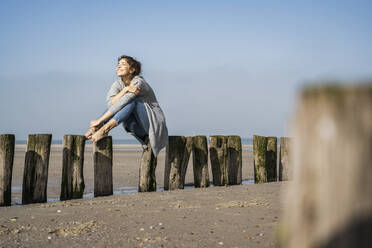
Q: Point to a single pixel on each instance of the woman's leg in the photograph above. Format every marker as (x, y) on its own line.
(133, 127)
(141, 115)
(138, 123)
(121, 116)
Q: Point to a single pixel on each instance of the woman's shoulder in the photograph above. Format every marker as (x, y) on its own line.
(139, 80)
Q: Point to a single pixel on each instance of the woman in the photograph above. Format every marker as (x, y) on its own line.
(132, 102)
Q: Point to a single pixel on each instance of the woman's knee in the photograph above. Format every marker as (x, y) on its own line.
(124, 113)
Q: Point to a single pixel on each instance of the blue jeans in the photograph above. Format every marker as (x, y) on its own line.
(134, 118)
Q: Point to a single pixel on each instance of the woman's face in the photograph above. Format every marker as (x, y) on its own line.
(122, 69)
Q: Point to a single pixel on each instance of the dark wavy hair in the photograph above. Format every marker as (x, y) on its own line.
(132, 64)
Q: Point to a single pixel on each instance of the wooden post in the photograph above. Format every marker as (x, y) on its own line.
(200, 161)
(147, 177)
(330, 198)
(72, 185)
(259, 160)
(285, 169)
(7, 142)
(35, 175)
(102, 160)
(218, 157)
(234, 160)
(271, 158)
(186, 157)
(176, 160)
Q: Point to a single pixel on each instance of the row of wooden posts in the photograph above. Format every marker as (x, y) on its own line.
(225, 154)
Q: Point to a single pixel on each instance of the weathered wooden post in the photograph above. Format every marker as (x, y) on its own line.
(285, 169)
(259, 160)
(176, 160)
(147, 177)
(72, 185)
(200, 161)
(102, 160)
(218, 157)
(35, 175)
(234, 160)
(186, 157)
(330, 198)
(271, 158)
(7, 142)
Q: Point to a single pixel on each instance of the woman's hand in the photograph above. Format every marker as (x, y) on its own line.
(134, 89)
(95, 123)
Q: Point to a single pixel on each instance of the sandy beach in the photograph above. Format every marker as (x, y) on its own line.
(235, 216)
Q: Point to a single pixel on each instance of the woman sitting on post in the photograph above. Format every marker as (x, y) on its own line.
(132, 102)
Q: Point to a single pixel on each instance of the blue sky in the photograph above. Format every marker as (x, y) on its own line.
(217, 67)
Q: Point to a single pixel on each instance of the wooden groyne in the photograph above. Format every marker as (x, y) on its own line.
(177, 155)
(6, 168)
(223, 152)
(226, 159)
(72, 185)
(147, 178)
(102, 162)
(35, 174)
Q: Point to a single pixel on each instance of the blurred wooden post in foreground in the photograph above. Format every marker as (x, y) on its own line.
(234, 160)
(35, 175)
(271, 158)
(7, 142)
(259, 159)
(330, 198)
(147, 177)
(176, 161)
(200, 161)
(72, 185)
(285, 169)
(218, 157)
(102, 162)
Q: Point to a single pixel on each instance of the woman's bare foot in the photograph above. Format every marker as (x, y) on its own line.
(103, 131)
(91, 131)
(98, 135)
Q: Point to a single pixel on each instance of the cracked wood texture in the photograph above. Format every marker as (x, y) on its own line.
(102, 162)
(200, 161)
(218, 157)
(234, 160)
(35, 176)
(330, 197)
(259, 158)
(147, 177)
(176, 160)
(72, 185)
(285, 169)
(7, 142)
(271, 158)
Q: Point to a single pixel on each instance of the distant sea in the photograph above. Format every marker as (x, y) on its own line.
(245, 141)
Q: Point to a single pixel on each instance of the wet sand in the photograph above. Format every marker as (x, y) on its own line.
(234, 216)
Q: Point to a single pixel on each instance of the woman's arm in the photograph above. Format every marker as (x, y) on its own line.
(121, 102)
(130, 91)
(131, 88)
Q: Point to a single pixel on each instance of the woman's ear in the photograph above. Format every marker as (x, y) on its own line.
(132, 70)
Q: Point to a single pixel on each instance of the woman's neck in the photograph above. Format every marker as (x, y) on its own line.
(126, 79)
